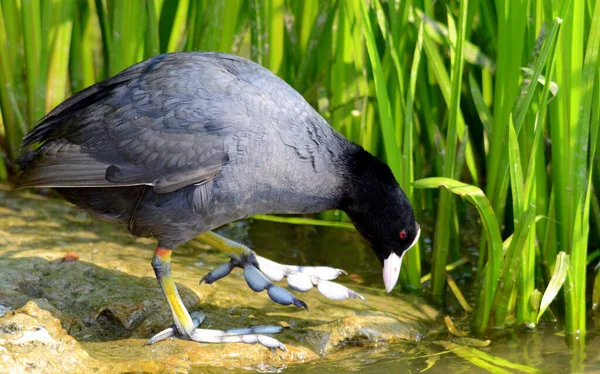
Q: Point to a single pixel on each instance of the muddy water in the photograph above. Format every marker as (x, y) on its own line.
(95, 313)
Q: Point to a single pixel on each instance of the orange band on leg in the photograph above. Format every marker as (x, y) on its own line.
(162, 267)
(162, 252)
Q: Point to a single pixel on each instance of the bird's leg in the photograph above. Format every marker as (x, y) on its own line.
(161, 263)
(185, 327)
(261, 272)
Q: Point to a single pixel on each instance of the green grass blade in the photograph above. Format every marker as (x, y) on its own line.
(274, 15)
(552, 86)
(441, 75)
(515, 171)
(310, 42)
(126, 34)
(485, 360)
(166, 22)
(570, 122)
(442, 230)
(510, 30)
(32, 38)
(438, 32)
(482, 109)
(510, 268)
(449, 268)
(58, 74)
(385, 110)
(257, 29)
(303, 221)
(230, 20)
(475, 196)
(8, 79)
(213, 25)
(523, 105)
(556, 282)
(195, 24)
(153, 35)
(388, 37)
(105, 30)
(82, 58)
(458, 294)
(177, 37)
(412, 260)
(576, 277)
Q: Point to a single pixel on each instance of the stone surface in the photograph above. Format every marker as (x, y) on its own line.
(33, 340)
(78, 294)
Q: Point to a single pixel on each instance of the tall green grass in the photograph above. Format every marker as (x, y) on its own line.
(497, 103)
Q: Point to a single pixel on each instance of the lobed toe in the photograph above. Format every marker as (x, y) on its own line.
(300, 282)
(284, 297)
(335, 291)
(255, 279)
(218, 273)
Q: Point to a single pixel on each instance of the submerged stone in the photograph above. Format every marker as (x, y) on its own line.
(78, 294)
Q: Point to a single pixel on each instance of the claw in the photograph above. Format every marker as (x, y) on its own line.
(218, 273)
(300, 304)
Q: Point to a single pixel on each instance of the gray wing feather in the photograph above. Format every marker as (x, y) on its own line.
(170, 122)
(142, 132)
(61, 164)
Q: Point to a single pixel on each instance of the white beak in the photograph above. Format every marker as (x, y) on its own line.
(392, 265)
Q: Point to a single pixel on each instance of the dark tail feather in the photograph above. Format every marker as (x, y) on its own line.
(26, 160)
(48, 127)
(51, 122)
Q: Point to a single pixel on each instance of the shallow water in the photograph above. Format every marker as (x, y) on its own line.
(544, 348)
(112, 303)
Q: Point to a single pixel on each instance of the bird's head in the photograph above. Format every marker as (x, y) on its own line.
(381, 212)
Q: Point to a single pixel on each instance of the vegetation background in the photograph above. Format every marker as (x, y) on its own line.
(495, 102)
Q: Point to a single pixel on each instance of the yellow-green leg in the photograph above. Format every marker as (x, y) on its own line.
(187, 328)
(225, 245)
(161, 263)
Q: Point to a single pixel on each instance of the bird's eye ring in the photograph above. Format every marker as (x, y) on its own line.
(402, 234)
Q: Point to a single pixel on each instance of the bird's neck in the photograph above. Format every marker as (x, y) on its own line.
(368, 182)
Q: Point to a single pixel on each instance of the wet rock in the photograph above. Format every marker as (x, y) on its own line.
(33, 340)
(96, 310)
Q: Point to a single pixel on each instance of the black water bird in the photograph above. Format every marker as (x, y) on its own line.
(182, 143)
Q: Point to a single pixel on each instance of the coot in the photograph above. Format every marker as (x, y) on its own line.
(183, 143)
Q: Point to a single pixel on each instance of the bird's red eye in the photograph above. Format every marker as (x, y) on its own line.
(402, 234)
